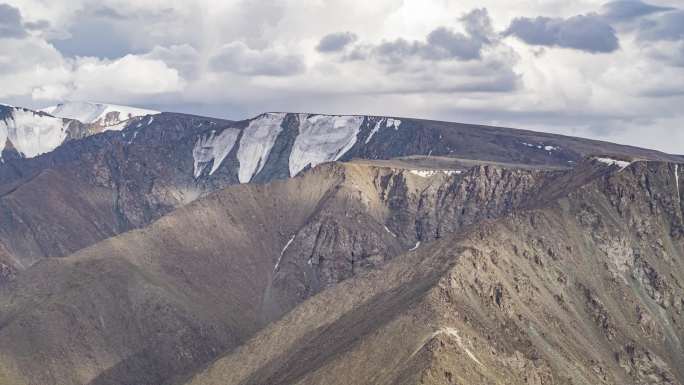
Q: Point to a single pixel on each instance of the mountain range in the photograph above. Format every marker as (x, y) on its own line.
(144, 247)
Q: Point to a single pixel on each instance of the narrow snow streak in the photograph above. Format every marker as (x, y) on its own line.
(375, 129)
(283, 253)
(677, 180)
(388, 123)
(390, 231)
(416, 246)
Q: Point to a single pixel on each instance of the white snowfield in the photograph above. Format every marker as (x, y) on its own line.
(256, 144)
(322, 138)
(109, 116)
(31, 133)
(213, 147)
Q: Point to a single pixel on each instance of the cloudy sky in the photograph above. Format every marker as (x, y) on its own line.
(607, 70)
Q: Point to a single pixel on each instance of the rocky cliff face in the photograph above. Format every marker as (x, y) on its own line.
(379, 213)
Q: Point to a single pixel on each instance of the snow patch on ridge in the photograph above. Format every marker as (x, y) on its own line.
(109, 116)
(431, 173)
(388, 122)
(256, 144)
(541, 146)
(614, 162)
(31, 133)
(213, 147)
(393, 123)
(322, 138)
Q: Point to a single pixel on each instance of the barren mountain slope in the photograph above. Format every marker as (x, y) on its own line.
(586, 290)
(158, 163)
(158, 302)
(91, 189)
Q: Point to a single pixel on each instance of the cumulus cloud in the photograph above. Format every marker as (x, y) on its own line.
(38, 64)
(335, 42)
(624, 10)
(128, 78)
(130, 74)
(238, 58)
(442, 43)
(590, 33)
(10, 22)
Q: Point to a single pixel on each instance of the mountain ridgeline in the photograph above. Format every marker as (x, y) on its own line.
(299, 248)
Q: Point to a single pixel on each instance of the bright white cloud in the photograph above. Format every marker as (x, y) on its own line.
(130, 75)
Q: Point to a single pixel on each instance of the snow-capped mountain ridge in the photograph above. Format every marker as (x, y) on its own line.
(31, 133)
(317, 139)
(34, 132)
(107, 116)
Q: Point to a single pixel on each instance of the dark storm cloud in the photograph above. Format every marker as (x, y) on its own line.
(623, 10)
(335, 42)
(668, 26)
(237, 58)
(590, 33)
(10, 22)
(442, 43)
